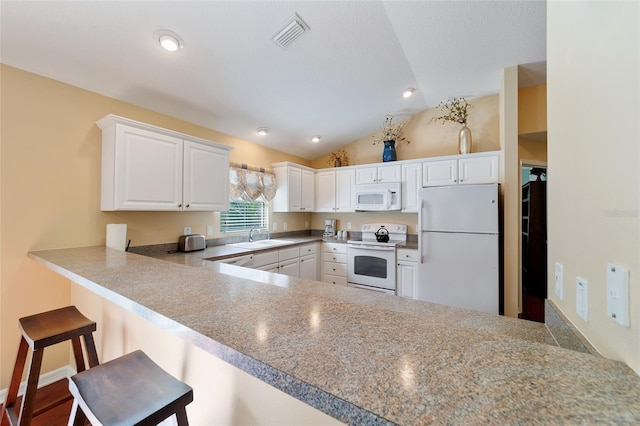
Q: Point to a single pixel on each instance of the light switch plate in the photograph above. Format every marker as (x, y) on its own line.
(275, 226)
(618, 294)
(558, 277)
(209, 231)
(582, 298)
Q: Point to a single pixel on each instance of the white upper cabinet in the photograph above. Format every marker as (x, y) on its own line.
(411, 184)
(464, 170)
(204, 186)
(148, 168)
(335, 190)
(325, 191)
(296, 188)
(478, 170)
(440, 173)
(377, 174)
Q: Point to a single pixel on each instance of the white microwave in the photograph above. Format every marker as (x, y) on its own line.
(378, 197)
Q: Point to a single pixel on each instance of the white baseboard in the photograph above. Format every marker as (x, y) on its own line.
(44, 380)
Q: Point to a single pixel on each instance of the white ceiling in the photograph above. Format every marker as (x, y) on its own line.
(339, 80)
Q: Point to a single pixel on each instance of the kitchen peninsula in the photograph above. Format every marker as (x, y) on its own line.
(361, 357)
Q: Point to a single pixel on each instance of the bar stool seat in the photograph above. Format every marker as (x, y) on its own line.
(130, 390)
(38, 332)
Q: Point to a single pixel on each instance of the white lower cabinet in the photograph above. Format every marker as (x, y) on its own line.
(309, 261)
(334, 263)
(300, 261)
(407, 272)
(290, 267)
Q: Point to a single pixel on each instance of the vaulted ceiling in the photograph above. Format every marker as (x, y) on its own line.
(338, 80)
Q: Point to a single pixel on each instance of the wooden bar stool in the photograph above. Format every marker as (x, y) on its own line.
(130, 390)
(38, 332)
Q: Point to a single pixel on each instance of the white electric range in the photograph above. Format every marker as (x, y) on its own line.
(371, 262)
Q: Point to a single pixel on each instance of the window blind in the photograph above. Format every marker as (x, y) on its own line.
(244, 215)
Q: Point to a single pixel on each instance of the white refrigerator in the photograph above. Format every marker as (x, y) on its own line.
(460, 247)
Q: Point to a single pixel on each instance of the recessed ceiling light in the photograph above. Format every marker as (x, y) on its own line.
(169, 40)
(316, 138)
(262, 131)
(406, 93)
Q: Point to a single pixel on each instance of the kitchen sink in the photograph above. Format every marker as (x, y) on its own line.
(260, 244)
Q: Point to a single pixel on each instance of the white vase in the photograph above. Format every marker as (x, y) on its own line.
(464, 140)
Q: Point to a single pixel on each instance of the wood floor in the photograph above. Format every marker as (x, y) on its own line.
(55, 395)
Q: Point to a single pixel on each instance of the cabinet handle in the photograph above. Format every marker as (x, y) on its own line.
(188, 205)
(179, 205)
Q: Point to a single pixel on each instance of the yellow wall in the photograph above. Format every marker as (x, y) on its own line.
(431, 140)
(594, 158)
(532, 109)
(532, 150)
(50, 194)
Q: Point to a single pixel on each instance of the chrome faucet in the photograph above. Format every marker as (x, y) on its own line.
(251, 233)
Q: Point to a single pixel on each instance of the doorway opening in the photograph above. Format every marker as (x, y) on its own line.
(533, 256)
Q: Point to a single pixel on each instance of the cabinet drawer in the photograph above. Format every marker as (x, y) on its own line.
(409, 255)
(261, 259)
(334, 279)
(331, 268)
(335, 258)
(334, 248)
(289, 253)
(308, 249)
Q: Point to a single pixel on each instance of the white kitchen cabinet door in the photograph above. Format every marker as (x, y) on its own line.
(476, 170)
(411, 184)
(345, 195)
(407, 279)
(440, 173)
(309, 267)
(290, 267)
(389, 173)
(307, 190)
(366, 175)
(377, 174)
(147, 173)
(206, 170)
(325, 191)
(295, 188)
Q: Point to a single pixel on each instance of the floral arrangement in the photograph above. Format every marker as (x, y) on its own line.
(455, 109)
(338, 158)
(391, 131)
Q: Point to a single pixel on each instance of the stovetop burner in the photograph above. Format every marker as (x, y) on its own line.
(397, 234)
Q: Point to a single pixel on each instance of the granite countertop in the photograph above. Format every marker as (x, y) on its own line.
(363, 357)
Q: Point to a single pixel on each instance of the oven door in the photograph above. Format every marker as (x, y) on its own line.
(372, 265)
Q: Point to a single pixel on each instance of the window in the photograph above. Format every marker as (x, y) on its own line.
(244, 215)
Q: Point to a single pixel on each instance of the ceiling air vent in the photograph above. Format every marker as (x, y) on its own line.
(290, 31)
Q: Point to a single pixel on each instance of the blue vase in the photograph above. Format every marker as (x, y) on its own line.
(389, 152)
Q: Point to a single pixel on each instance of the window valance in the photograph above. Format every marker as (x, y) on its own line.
(251, 183)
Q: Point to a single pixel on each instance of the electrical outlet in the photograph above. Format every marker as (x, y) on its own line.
(582, 298)
(349, 225)
(275, 226)
(209, 231)
(187, 230)
(284, 226)
(558, 278)
(306, 224)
